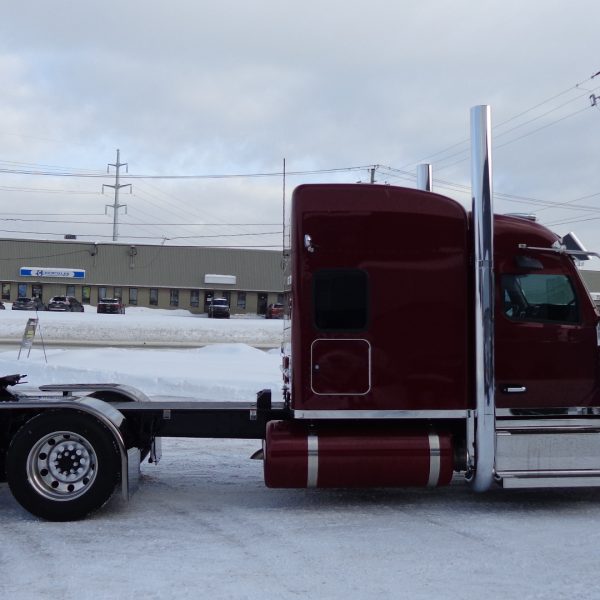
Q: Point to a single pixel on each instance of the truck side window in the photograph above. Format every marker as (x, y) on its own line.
(340, 299)
(539, 298)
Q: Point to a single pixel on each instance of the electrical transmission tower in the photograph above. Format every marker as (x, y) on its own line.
(117, 186)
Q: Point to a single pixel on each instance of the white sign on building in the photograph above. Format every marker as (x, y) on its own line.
(221, 279)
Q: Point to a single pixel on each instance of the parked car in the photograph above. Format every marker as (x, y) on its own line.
(65, 304)
(219, 309)
(2, 307)
(111, 305)
(24, 303)
(274, 311)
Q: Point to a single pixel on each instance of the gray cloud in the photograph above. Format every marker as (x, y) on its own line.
(198, 87)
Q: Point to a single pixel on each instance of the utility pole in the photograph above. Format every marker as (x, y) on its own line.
(117, 186)
(373, 169)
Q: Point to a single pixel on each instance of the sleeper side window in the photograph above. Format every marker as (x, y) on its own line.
(539, 298)
(340, 299)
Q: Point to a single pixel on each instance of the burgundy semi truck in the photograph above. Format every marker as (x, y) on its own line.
(423, 343)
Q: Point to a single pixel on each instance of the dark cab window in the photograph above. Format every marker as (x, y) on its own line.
(340, 299)
(539, 298)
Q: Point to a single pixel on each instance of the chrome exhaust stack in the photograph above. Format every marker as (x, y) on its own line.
(482, 448)
(424, 180)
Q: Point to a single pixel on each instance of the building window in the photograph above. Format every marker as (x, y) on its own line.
(195, 298)
(174, 298)
(540, 298)
(340, 299)
(279, 298)
(133, 296)
(101, 293)
(6, 291)
(70, 291)
(22, 290)
(241, 300)
(119, 293)
(36, 290)
(153, 296)
(85, 294)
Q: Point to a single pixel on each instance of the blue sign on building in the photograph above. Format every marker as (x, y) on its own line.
(52, 272)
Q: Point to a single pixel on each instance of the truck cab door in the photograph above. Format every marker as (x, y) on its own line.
(546, 342)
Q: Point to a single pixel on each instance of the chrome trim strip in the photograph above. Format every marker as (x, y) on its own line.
(549, 482)
(483, 243)
(508, 426)
(312, 366)
(312, 471)
(380, 414)
(434, 460)
(551, 473)
(571, 411)
(515, 390)
(128, 391)
(470, 439)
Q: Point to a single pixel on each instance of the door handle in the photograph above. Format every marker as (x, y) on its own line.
(514, 389)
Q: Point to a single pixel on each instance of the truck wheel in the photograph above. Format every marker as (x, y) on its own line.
(62, 465)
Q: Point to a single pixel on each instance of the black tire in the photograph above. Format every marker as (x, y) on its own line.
(62, 465)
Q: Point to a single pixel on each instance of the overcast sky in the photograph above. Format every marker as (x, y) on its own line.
(196, 88)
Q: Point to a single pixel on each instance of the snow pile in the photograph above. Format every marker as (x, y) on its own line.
(221, 372)
(142, 326)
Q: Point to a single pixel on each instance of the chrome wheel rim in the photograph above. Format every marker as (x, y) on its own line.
(62, 465)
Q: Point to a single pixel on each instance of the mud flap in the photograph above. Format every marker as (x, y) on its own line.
(131, 484)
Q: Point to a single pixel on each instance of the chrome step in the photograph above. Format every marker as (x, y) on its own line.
(542, 453)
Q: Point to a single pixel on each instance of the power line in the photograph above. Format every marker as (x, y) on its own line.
(496, 147)
(45, 255)
(544, 126)
(29, 214)
(5, 188)
(186, 209)
(570, 221)
(503, 123)
(157, 246)
(150, 237)
(173, 211)
(200, 176)
(148, 224)
(28, 164)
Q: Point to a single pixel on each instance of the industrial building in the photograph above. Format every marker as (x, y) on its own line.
(159, 276)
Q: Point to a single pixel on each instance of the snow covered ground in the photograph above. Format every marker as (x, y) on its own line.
(202, 524)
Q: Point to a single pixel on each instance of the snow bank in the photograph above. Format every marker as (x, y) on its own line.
(142, 325)
(234, 371)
